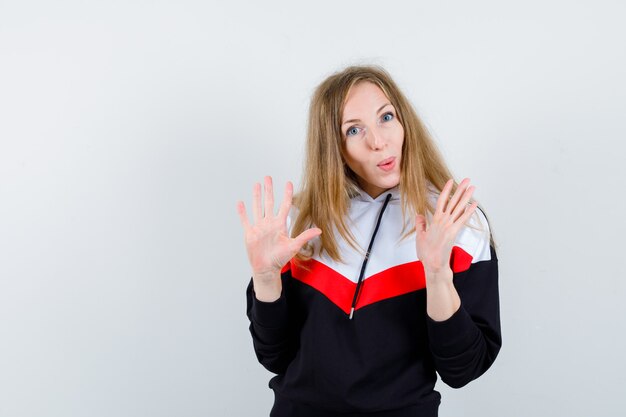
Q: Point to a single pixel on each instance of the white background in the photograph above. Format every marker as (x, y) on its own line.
(129, 129)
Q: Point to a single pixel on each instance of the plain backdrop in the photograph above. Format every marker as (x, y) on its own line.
(129, 130)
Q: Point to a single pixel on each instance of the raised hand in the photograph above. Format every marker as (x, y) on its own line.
(267, 241)
(434, 241)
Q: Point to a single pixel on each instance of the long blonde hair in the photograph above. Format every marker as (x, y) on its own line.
(328, 183)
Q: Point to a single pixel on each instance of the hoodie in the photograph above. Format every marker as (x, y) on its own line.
(353, 337)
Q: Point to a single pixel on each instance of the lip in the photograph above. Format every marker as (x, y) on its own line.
(387, 164)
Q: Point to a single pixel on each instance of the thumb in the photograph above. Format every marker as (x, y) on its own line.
(305, 236)
(420, 223)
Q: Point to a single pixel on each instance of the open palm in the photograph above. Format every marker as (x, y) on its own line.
(434, 241)
(267, 241)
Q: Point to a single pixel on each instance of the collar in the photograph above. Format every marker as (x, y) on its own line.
(361, 195)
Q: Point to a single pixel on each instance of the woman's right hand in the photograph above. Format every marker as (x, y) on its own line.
(267, 241)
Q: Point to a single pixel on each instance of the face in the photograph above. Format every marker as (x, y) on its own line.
(372, 138)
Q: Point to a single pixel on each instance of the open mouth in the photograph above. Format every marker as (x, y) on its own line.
(387, 164)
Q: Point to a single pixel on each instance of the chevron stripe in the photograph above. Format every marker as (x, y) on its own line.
(393, 282)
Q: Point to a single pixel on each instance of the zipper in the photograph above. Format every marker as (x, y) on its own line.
(359, 283)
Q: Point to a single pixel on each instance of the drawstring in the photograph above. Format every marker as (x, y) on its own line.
(367, 255)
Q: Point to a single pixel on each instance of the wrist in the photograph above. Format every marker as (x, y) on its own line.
(442, 300)
(267, 288)
(442, 277)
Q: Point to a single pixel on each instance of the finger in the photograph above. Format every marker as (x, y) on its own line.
(465, 200)
(241, 210)
(443, 197)
(269, 197)
(420, 223)
(468, 213)
(305, 236)
(257, 211)
(460, 190)
(286, 203)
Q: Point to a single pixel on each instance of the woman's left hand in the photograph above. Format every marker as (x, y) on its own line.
(434, 241)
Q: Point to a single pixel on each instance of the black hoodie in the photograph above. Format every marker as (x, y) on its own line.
(383, 361)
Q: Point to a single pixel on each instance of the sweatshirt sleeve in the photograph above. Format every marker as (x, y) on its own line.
(465, 345)
(274, 343)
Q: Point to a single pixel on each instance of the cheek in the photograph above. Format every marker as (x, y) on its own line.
(352, 153)
(400, 135)
(347, 156)
(394, 135)
(353, 158)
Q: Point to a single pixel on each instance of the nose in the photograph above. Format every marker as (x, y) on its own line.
(375, 138)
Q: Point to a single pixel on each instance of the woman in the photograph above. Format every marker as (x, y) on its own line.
(388, 274)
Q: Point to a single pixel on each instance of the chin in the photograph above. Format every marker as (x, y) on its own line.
(392, 182)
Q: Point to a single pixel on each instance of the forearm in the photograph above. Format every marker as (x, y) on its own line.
(466, 344)
(269, 327)
(442, 298)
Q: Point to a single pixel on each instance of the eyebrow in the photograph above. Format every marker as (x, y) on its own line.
(358, 120)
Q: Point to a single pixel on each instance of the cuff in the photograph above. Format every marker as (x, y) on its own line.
(269, 314)
(452, 336)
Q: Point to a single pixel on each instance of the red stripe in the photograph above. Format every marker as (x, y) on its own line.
(392, 282)
(460, 260)
(332, 284)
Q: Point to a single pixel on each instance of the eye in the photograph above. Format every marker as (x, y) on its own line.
(387, 117)
(353, 131)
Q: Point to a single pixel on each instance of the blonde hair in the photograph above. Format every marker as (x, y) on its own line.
(328, 183)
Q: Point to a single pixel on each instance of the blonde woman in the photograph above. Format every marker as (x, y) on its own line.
(381, 275)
